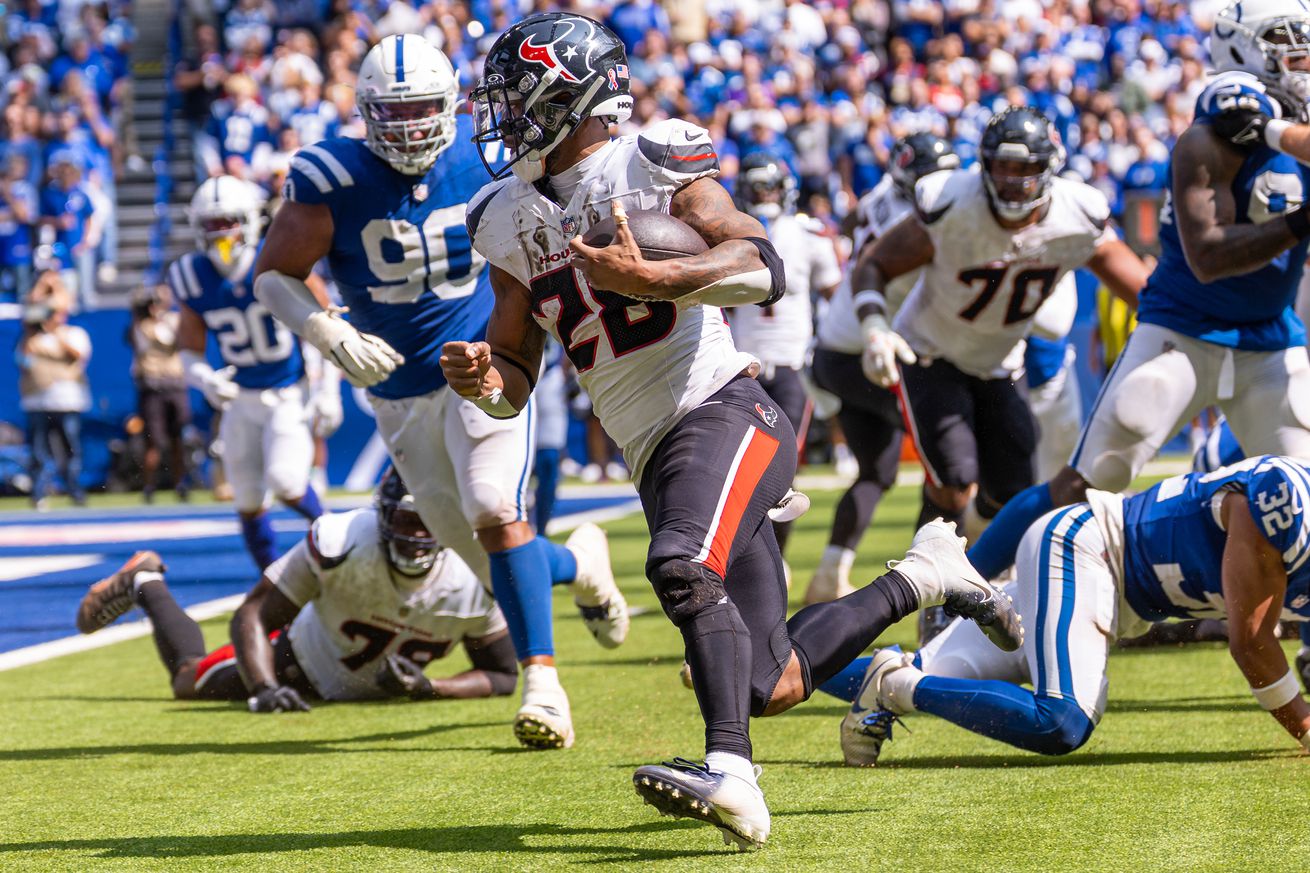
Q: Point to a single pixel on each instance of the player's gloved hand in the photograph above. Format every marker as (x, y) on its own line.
(365, 359)
(326, 413)
(219, 389)
(401, 677)
(1241, 120)
(883, 347)
(280, 698)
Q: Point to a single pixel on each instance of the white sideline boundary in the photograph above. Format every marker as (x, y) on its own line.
(211, 608)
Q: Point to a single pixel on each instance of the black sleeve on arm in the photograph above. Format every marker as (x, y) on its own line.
(498, 661)
(768, 254)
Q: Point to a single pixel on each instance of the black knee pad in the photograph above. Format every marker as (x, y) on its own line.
(685, 589)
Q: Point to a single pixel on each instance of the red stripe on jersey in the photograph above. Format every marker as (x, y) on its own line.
(694, 157)
(759, 454)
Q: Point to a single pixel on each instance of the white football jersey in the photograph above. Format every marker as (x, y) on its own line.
(779, 334)
(356, 610)
(973, 304)
(877, 212)
(644, 365)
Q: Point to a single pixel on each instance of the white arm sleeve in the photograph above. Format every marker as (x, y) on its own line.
(197, 369)
(288, 299)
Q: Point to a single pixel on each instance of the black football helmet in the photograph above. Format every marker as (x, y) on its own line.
(542, 78)
(765, 187)
(410, 549)
(917, 155)
(1020, 156)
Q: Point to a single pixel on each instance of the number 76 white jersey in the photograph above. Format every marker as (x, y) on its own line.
(974, 302)
(645, 365)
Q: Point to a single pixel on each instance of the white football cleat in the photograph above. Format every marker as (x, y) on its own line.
(604, 610)
(937, 567)
(687, 789)
(544, 720)
(863, 731)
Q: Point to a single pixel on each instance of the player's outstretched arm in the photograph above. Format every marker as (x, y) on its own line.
(1254, 585)
(216, 385)
(1215, 245)
(740, 267)
(1122, 271)
(902, 249)
(500, 373)
(264, 609)
(1244, 122)
(300, 235)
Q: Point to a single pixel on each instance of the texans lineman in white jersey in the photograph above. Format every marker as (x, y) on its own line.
(870, 415)
(267, 403)
(355, 611)
(993, 245)
(1230, 544)
(388, 214)
(651, 348)
(779, 334)
(1216, 324)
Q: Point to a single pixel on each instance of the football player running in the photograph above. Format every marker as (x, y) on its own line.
(669, 386)
(870, 415)
(1229, 544)
(267, 402)
(779, 335)
(1216, 324)
(388, 214)
(357, 610)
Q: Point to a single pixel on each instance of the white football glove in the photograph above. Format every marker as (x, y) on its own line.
(883, 347)
(218, 387)
(326, 413)
(365, 359)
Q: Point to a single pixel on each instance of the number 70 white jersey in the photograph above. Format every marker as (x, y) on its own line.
(645, 365)
(974, 302)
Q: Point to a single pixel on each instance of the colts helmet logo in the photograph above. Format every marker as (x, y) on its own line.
(768, 414)
(545, 55)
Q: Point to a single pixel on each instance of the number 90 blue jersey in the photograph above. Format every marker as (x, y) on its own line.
(1174, 546)
(264, 352)
(401, 254)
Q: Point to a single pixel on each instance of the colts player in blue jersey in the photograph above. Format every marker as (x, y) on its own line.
(1234, 543)
(262, 391)
(389, 215)
(1215, 324)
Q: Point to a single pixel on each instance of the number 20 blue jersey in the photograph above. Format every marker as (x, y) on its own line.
(264, 352)
(1252, 311)
(401, 254)
(1174, 546)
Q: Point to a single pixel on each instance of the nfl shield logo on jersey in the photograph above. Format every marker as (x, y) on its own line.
(569, 226)
(768, 413)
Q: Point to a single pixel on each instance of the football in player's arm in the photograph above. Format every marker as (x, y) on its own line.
(740, 268)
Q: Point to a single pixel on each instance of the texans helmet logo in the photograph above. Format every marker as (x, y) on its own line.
(545, 55)
(768, 413)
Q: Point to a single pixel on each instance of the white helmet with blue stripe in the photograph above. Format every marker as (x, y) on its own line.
(407, 92)
(226, 215)
(1270, 39)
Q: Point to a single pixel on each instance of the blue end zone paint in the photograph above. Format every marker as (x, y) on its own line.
(40, 608)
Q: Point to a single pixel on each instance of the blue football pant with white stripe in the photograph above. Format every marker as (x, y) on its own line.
(1067, 596)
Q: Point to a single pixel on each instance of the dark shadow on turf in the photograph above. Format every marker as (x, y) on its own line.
(458, 839)
(1227, 703)
(272, 747)
(1078, 759)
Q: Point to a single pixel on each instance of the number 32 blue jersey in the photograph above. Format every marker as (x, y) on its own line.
(263, 351)
(401, 254)
(1174, 546)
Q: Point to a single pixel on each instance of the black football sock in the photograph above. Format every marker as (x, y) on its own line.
(719, 652)
(854, 512)
(177, 636)
(828, 636)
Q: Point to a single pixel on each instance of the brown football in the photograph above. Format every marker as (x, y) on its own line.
(659, 235)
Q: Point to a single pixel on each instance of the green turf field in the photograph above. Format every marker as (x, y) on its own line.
(101, 769)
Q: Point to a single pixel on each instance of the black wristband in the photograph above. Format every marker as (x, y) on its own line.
(532, 379)
(1298, 222)
(777, 280)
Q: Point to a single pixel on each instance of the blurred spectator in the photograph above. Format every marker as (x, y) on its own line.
(237, 140)
(73, 223)
(199, 77)
(162, 400)
(52, 357)
(18, 211)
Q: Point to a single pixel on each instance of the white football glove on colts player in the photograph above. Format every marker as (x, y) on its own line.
(365, 359)
(325, 412)
(883, 348)
(216, 385)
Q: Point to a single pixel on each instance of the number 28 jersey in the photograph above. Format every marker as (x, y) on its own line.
(645, 365)
(975, 300)
(1174, 545)
(400, 251)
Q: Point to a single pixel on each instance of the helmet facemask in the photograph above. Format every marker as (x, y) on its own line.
(411, 550)
(766, 192)
(522, 122)
(409, 133)
(228, 237)
(1016, 182)
(1285, 44)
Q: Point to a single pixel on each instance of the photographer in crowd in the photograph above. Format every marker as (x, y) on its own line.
(160, 387)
